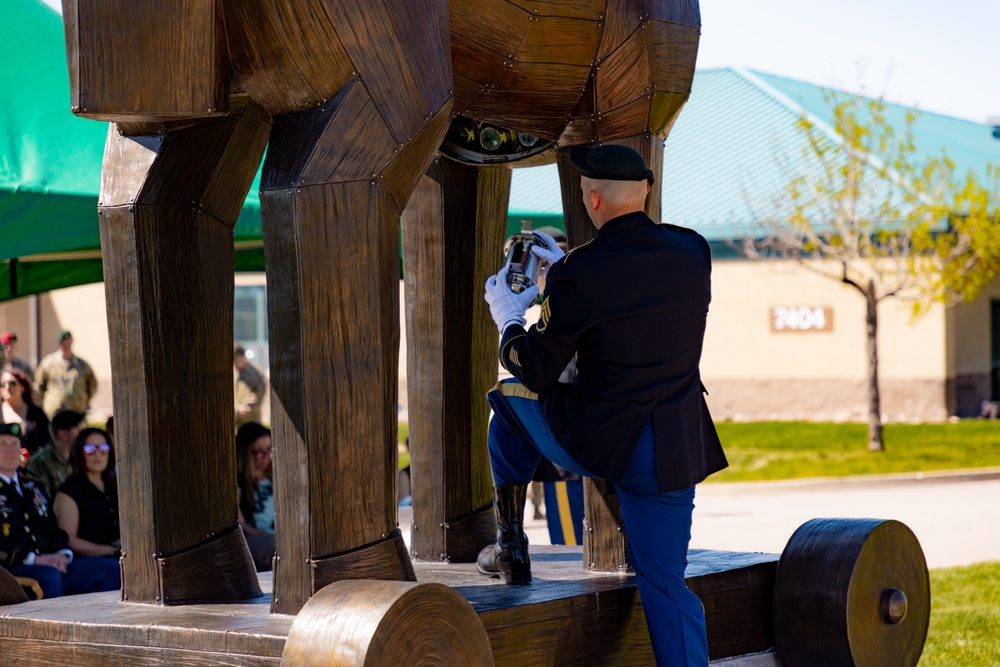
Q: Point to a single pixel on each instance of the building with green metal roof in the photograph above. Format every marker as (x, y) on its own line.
(737, 144)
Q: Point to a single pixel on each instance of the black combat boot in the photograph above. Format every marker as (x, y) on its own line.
(508, 558)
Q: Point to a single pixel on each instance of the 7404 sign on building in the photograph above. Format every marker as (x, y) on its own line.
(801, 318)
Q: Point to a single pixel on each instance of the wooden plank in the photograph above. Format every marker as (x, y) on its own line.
(208, 568)
(673, 49)
(334, 391)
(581, 128)
(623, 76)
(401, 176)
(385, 560)
(623, 19)
(452, 241)
(588, 10)
(605, 547)
(525, 77)
(492, 27)
(664, 108)
(287, 55)
(554, 39)
(264, 67)
(40, 653)
(308, 153)
(676, 11)
(474, 69)
(628, 120)
(566, 617)
(164, 59)
(168, 262)
(371, 36)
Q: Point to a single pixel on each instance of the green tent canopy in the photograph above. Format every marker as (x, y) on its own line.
(50, 165)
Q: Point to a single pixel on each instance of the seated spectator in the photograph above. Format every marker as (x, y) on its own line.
(31, 542)
(18, 407)
(255, 493)
(86, 505)
(51, 464)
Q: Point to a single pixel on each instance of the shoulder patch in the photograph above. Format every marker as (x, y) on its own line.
(543, 317)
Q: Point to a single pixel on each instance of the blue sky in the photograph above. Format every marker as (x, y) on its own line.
(937, 56)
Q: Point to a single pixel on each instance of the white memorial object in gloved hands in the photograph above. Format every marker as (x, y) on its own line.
(506, 306)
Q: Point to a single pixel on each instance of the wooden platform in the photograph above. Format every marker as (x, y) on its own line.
(565, 617)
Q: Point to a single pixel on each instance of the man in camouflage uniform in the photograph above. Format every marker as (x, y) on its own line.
(249, 388)
(50, 464)
(65, 381)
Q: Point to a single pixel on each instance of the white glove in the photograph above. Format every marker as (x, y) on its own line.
(552, 254)
(506, 307)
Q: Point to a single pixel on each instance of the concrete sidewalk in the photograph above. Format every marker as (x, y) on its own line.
(954, 514)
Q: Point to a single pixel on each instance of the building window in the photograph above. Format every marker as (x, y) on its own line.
(250, 324)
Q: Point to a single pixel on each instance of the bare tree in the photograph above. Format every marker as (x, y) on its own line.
(868, 212)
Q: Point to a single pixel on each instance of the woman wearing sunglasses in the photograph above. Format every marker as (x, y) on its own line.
(86, 505)
(255, 493)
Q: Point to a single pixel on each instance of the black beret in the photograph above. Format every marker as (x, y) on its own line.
(64, 420)
(610, 162)
(10, 429)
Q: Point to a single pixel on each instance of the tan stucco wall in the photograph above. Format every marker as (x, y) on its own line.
(758, 373)
(82, 311)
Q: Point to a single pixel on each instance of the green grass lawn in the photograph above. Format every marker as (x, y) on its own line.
(794, 450)
(789, 450)
(965, 617)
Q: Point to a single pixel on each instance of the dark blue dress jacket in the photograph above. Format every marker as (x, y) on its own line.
(631, 305)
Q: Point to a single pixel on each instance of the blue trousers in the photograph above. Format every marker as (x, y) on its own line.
(658, 525)
(84, 575)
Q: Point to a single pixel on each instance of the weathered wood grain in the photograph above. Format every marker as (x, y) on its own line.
(335, 334)
(331, 199)
(386, 559)
(381, 623)
(168, 258)
(452, 241)
(832, 588)
(175, 50)
(221, 563)
(287, 55)
(565, 617)
(10, 589)
(676, 11)
(399, 51)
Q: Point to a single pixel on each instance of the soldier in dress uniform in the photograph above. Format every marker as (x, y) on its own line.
(65, 381)
(631, 306)
(31, 542)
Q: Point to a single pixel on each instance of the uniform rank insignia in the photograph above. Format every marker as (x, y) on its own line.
(543, 317)
(39, 498)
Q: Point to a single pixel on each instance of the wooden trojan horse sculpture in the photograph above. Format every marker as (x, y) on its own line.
(353, 100)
